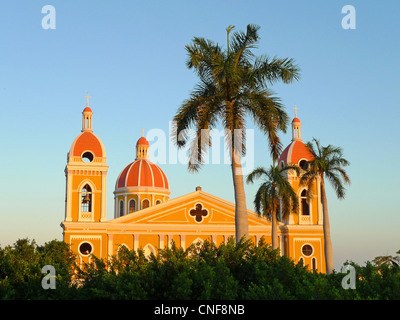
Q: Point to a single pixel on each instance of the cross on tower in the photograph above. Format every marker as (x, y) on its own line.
(295, 111)
(198, 213)
(87, 100)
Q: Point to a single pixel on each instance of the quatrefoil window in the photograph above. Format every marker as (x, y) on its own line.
(198, 213)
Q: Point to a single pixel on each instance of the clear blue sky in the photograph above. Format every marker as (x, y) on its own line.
(130, 57)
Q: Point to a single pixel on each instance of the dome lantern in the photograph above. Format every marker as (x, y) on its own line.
(296, 127)
(142, 148)
(87, 117)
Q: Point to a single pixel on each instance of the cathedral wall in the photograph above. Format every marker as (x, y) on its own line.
(152, 239)
(308, 246)
(84, 245)
(121, 239)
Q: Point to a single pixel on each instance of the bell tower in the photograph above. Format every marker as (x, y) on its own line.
(86, 175)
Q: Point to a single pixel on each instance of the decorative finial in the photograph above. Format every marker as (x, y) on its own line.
(87, 100)
(142, 132)
(295, 111)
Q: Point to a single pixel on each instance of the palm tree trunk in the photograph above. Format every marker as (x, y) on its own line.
(327, 231)
(241, 220)
(274, 234)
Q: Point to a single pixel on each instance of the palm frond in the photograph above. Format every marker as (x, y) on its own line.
(233, 84)
(256, 174)
(328, 162)
(336, 183)
(269, 71)
(275, 194)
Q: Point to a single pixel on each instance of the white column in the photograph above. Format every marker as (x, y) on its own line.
(103, 196)
(125, 205)
(115, 207)
(68, 213)
(170, 237)
(282, 244)
(110, 245)
(183, 244)
(135, 241)
(226, 236)
(161, 241)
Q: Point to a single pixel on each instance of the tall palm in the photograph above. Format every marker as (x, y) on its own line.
(233, 85)
(275, 195)
(328, 163)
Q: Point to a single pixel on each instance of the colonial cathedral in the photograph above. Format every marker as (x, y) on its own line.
(146, 218)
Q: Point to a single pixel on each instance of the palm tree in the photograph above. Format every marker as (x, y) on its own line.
(328, 162)
(233, 85)
(275, 195)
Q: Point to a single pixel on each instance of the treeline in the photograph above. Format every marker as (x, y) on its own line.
(229, 271)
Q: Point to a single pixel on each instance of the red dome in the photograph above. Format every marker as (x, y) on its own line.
(142, 141)
(87, 141)
(142, 173)
(296, 120)
(294, 152)
(87, 109)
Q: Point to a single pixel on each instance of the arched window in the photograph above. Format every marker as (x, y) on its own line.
(121, 208)
(198, 244)
(305, 207)
(148, 250)
(301, 261)
(86, 199)
(314, 264)
(122, 248)
(158, 202)
(145, 204)
(132, 205)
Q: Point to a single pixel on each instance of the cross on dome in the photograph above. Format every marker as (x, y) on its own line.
(87, 100)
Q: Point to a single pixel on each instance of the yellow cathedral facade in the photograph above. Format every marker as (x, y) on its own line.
(146, 218)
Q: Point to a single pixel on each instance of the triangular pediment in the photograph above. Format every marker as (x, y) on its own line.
(196, 208)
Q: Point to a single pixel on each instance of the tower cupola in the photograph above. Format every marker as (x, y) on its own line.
(86, 174)
(296, 127)
(87, 117)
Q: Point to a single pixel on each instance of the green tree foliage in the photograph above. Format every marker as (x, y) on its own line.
(228, 271)
(21, 270)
